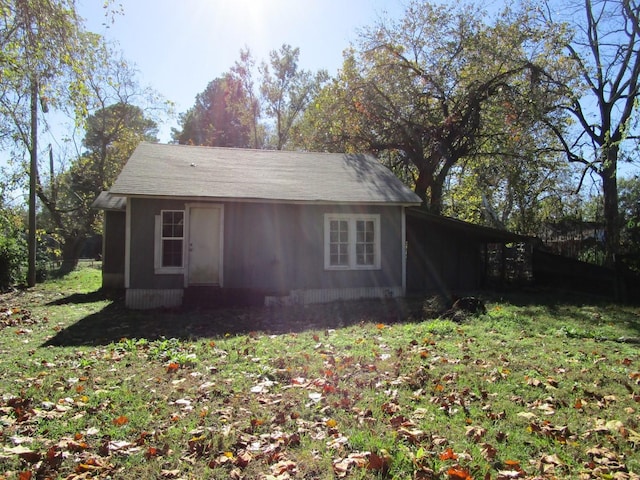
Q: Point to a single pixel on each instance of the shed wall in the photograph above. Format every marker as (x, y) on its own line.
(441, 261)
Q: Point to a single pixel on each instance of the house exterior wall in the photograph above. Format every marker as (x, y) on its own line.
(278, 248)
(113, 248)
(142, 240)
(271, 248)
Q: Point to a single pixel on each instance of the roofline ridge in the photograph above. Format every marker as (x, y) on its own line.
(306, 152)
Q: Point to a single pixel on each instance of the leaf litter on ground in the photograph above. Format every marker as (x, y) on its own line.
(509, 394)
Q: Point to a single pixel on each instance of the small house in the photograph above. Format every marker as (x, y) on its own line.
(275, 227)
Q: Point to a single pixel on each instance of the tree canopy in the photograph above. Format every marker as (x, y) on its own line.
(605, 51)
(235, 112)
(216, 120)
(420, 91)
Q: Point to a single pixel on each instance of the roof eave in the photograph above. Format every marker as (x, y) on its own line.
(295, 201)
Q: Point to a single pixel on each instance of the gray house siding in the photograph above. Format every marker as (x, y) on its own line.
(113, 248)
(277, 248)
(269, 248)
(142, 213)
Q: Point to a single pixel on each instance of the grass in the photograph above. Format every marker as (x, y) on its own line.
(539, 387)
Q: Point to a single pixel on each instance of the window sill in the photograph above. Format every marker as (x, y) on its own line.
(169, 271)
(350, 268)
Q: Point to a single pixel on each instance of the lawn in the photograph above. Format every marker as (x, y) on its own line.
(540, 386)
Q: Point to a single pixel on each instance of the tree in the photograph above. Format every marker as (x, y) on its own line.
(248, 108)
(40, 44)
(605, 50)
(216, 119)
(630, 215)
(515, 174)
(287, 91)
(111, 136)
(419, 91)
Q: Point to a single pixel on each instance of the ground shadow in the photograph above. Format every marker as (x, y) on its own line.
(90, 297)
(115, 322)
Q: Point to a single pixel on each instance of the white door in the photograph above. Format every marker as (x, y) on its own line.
(204, 245)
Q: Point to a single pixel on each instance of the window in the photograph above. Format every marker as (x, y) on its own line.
(169, 241)
(352, 241)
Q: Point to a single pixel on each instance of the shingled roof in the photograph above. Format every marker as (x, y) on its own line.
(159, 170)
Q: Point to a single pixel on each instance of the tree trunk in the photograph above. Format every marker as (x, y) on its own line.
(70, 254)
(422, 186)
(611, 214)
(612, 222)
(33, 173)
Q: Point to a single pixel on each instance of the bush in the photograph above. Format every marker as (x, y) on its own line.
(12, 253)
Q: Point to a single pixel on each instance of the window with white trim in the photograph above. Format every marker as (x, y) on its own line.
(169, 241)
(351, 241)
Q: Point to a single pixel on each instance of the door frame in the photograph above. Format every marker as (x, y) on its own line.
(210, 206)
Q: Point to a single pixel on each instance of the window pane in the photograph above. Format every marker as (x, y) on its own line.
(172, 224)
(338, 242)
(365, 242)
(172, 253)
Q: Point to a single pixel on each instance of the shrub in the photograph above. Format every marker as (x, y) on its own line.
(12, 254)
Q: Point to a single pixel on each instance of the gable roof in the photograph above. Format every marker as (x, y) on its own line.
(160, 170)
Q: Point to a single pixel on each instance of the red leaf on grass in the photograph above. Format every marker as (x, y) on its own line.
(121, 420)
(173, 367)
(152, 452)
(448, 454)
(458, 474)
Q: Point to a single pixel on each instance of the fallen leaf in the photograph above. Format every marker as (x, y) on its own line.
(458, 474)
(170, 473)
(448, 454)
(379, 463)
(489, 452)
(475, 433)
(121, 420)
(173, 367)
(243, 459)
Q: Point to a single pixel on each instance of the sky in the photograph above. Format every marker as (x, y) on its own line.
(179, 46)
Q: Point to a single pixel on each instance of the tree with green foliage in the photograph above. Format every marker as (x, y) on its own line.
(248, 107)
(629, 202)
(511, 179)
(216, 119)
(420, 91)
(605, 50)
(111, 136)
(287, 91)
(42, 43)
(13, 247)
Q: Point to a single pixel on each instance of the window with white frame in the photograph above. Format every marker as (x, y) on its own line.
(169, 240)
(352, 242)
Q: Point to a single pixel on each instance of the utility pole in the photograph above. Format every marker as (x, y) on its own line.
(33, 172)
